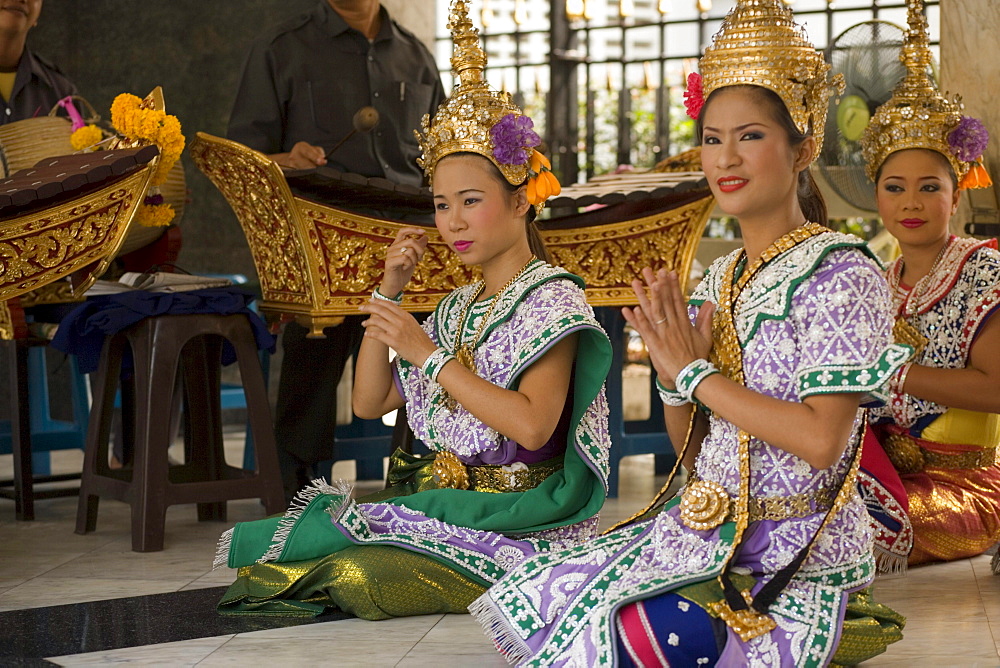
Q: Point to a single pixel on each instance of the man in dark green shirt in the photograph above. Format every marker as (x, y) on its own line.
(302, 83)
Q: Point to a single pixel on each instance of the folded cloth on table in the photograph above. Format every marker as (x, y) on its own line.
(83, 330)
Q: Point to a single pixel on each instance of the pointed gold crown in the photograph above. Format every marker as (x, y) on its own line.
(465, 121)
(760, 45)
(918, 115)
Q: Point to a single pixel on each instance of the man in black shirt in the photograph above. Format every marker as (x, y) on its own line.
(302, 83)
(29, 86)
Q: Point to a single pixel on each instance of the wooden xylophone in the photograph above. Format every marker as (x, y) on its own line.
(318, 258)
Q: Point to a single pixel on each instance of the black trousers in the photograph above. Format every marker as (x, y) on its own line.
(306, 414)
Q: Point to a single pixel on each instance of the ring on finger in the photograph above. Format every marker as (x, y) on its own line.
(403, 250)
(661, 321)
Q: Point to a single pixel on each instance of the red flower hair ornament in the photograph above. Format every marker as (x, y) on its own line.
(694, 99)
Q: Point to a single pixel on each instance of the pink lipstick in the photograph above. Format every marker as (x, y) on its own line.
(462, 246)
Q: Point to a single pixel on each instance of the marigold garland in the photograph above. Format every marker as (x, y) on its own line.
(85, 137)
(151, 125)
(154, 126)
(155, 215)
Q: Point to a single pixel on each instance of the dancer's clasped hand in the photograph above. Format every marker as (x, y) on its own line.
(661, 318)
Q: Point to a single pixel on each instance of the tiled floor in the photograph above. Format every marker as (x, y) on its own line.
(953, 609)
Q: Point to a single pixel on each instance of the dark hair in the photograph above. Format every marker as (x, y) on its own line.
(535, 242)
(810, 198)
(944, 160)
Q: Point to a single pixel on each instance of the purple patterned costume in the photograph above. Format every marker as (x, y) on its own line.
(814, 320)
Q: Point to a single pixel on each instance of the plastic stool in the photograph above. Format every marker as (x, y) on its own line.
(162, 347)
(32, 432)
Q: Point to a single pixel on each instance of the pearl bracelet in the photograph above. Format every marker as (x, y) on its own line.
(670, 397)
(691, 376)
(435, 362)
(397, 300)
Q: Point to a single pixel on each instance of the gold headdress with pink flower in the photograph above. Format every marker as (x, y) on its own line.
(478, 119)
(760, 45)
(919, 116)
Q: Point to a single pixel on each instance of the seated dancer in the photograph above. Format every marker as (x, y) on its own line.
(503, 382)
(940, 428)
(752, 563)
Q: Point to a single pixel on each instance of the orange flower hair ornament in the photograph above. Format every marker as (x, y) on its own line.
(542, 183)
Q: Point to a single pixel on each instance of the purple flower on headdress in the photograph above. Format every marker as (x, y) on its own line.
(153, 200)
(968, 140)
(512, 136)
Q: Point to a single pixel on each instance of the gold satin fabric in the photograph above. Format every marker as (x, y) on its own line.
(369, 581)
(955, 513)
(869, 628)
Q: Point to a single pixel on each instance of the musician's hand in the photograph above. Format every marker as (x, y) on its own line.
(402, 258)
(661, 318)
(302, 156)
(397, 329)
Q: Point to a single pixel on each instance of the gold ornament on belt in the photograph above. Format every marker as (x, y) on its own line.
(760, 45)
(704, 505)
(449, 471)
(919, 116)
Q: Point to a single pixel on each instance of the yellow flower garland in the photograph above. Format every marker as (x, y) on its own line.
(155, 215)
(85, 137)
(156, 127)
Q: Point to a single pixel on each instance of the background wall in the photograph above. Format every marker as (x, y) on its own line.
(970, 67)
(195, 50)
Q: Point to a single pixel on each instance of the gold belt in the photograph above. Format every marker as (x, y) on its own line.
(796, 505)
(706, 504)
(908, 456)
(449, 471)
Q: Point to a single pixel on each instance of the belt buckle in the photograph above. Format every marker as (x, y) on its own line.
(704, 505)
(449, 471)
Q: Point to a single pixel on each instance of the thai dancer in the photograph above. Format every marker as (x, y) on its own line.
(761, 377)
(503, 383)
(941, 427)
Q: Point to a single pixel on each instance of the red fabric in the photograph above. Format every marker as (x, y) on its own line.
(636, 637)
(877, 464)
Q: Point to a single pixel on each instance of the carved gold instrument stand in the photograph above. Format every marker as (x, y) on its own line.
(319, 262)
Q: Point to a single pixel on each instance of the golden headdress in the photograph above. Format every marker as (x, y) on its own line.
(477, 119)
(760, 45)
(919, 116)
